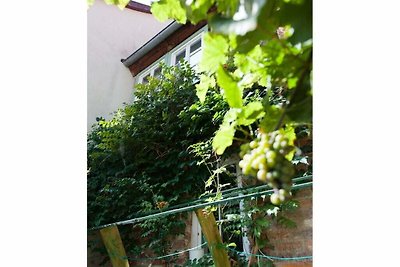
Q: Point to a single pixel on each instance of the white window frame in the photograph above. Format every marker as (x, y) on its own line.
(169, 58)
(149, 70)
(185, 45)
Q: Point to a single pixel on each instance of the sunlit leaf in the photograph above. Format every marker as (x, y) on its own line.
(224, 136)
(197, 10)
(232, 91)
(291, 135)
(90, 2)
(214, 53)
(202, 87)
(166, 9)
(120, 3)
(250, 113)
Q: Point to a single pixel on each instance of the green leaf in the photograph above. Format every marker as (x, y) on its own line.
(291, 135)
(257, 231)
(301, 112)
(244, 20)
(214, 52)
(253, 63)
(297, 14)
(231, 90)
(90, 2)
(271, 118)
(227, 7)
(224, 136)
(166, 9)
(202, 87)
(263, 222)
(292, 82)
(290, 205)
(250, 113)
(198, 10)
(286, 222)
(120, 3)
(265, 31)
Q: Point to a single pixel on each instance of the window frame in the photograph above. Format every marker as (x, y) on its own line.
(185, 45)
(149, 70)
(169, 58)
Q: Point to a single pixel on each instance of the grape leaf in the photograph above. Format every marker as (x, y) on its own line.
(90, 2)
(197, 10)
(250, 113)
(301, 111)
(214, 53)
(224, 136)
(243, 21)
(202, 87)
(120, 3)
(291, 135)
(232, 91)
(165, 9)
(227, 7)
(271, 118)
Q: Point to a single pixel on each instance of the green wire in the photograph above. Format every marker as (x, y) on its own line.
(198, 206)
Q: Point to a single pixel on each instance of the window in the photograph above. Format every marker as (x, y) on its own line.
(190, 50)
(153, 71)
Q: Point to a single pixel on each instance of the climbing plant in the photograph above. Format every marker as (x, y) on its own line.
(255, 43)
(140, 160)
(253, 99)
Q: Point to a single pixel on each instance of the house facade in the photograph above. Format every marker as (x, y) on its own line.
(111, 37)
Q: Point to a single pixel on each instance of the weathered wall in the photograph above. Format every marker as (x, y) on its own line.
(113, 34)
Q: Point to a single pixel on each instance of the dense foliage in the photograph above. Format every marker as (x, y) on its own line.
(254, 43)
(139, 160)
(255, 84)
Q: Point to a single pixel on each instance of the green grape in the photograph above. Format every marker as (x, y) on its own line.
(242, 163)
(262, 175)
(275, 199)
(253, 144)
(284, 193)
(264, 158)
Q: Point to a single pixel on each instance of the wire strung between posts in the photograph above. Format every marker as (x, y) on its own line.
(225, 193)
(161, 257)
(198, 206)
(240, 253)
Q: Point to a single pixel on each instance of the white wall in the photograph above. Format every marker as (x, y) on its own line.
(113, 34)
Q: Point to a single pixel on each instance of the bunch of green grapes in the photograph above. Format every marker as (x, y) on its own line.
(264, 158)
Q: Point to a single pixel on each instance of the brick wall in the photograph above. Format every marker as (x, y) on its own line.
(294, 242)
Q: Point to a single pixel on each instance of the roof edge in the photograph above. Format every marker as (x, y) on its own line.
(138, 7)
(157, 39)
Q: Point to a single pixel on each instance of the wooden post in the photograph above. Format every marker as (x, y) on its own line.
(115, 247)
(214, 240)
